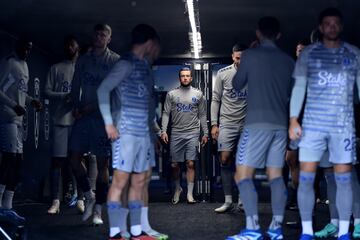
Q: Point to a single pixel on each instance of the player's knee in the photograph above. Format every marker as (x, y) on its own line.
(138, 183)
(118, 185)
(190, 164)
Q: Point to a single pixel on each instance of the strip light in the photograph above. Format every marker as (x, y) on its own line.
(195, 36)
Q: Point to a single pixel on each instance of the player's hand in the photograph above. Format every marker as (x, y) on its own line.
(165, 138)
(215, 132)
(76, 113)
(37, 105)
(19, 110)
(204, 140)
(295, 130)
(112, 132)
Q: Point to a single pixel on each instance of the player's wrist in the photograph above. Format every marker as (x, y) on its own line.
(293, 120)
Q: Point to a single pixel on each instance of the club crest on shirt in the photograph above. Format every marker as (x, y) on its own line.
(346, 62)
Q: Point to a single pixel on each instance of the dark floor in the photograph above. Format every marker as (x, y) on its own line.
(180, 222)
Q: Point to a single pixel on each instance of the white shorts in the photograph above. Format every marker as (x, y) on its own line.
(11, 138)
(61, 139)
(132, 154)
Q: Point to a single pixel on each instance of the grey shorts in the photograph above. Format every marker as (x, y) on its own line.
(184, 147)
(88, 135)
(228, 137)
(11, 138)
(61, 140)
(262, 148)
(132, 154)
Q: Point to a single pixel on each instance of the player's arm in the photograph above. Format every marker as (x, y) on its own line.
(76, 88)
(215, 106)
(358, 73)
(203, 120)
(165, 118)
(50, 85)
(156, 128)
(298, 95)
(240, 79)
(5, 82)
(117, 74)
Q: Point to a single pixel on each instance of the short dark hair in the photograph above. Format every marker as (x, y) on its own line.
(269, 27)
(142, 33)
(330, 12)
(184, 69)
(23, 41)
(102, 27)
(239, 47)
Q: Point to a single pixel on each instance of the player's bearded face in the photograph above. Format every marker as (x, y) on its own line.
(185, 78)
(331, 28)
(72, 49)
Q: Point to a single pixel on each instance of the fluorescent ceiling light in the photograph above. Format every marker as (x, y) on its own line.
(195, 36)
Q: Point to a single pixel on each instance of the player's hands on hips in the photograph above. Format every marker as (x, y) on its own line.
(19, 110)
(112, 132)
(165, 137)
(295, 130)
(204, 140)
(215, 132)
(37, 105)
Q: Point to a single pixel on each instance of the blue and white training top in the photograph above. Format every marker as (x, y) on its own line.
(328, 77)
(126, 96)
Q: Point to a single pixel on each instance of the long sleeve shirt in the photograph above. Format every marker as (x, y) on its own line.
(327, 77)
(126, 97)
(14, 78)
(187, 107)
(90, 71)
(57, 88)
(267, 71)
(231, 103)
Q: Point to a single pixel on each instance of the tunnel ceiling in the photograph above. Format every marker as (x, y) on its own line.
(222, 22)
